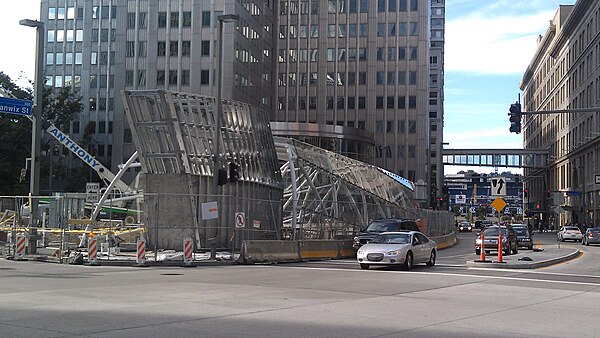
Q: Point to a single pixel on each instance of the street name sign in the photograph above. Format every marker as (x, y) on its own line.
(15, 106)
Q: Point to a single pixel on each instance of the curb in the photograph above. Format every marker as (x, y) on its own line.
(533, 265)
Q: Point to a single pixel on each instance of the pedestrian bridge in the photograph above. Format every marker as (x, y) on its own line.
(510, 158)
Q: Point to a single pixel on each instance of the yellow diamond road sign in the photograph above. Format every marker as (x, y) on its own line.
(498, 204)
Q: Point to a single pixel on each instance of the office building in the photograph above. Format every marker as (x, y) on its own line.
(354, 77)
(565, 74)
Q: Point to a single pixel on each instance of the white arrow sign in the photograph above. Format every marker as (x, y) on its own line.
(498, 186)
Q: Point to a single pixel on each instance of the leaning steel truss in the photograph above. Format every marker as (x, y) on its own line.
(328, 195)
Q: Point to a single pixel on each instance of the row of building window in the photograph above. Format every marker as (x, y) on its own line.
(98, 12)
(346, 6)
(350, 30)
(347, 54)
(77, 58)
(350, 78)
(386, 152)
(350, 102)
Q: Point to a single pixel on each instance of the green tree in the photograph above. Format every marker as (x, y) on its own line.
(59, 106)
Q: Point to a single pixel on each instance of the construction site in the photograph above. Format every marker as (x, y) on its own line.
(210, 187)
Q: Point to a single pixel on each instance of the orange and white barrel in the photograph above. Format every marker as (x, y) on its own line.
(21, 244)
(188, 250)
(93, 251)
(141, 251)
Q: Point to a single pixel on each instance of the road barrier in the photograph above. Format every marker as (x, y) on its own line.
(500, 247)
(20, 250)
(141, 252)
(273, 251)
(188, 251)
(93, 251)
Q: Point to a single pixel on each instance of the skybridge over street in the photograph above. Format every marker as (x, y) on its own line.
(510, 158)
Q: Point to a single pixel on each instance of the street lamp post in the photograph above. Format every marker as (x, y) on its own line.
(226, 18)
(219, 118)
(34, 183)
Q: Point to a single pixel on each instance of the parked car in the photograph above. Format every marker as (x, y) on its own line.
(569, 233)
(465, 226)
(591, 236)
(490, 234)
(404, 248)
(524, 236)
(478, 225)
(379, 226)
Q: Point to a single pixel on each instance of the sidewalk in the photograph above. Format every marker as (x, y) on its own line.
(528, 259)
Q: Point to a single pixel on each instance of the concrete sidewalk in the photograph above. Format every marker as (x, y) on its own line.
(528, 259)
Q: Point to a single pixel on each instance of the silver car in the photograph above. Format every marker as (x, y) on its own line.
(569, 233)
(404, 248)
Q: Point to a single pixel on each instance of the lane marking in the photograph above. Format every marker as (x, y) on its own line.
(452, 274)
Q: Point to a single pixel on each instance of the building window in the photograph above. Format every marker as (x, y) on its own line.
(160, 77)
(187, 19)
(130, 49)
(161, 50)
(204, 77)
(205, 19)
(174, 19)
(173, 48)
(412, 102)
(186, 48)
(379, 102)
(162, 19)
(172, 77)
(143, 20)
(205, 48)
(142, 50)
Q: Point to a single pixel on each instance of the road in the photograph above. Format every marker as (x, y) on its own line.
(312, 299)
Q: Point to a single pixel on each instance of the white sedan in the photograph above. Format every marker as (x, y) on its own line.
(404, 248)
(570, 233)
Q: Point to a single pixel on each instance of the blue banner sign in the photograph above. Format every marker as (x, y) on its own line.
(15, 106)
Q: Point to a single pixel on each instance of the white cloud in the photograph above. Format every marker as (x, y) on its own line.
(501, 44)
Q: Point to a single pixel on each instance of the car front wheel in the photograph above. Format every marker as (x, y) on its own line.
(364, 266)
(431, 261)
(408, 262)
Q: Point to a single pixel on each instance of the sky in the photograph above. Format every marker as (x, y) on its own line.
(489, 44)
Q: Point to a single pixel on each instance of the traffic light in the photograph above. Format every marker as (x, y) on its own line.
(222, 176)
(515, 118)
(234, 174)
(526, 193)
(548, 193)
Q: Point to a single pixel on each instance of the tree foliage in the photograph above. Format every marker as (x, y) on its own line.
(59, 106)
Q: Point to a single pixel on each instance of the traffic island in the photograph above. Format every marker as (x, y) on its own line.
(529, 259)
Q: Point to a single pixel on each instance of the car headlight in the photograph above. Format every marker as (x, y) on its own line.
(478, 241)
(504, 239)
(393, 253)
(360, 251)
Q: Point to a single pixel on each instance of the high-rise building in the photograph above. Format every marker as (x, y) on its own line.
(101, 47)
(436, 99)
(354, 77)
(360, 77)
(564, 74)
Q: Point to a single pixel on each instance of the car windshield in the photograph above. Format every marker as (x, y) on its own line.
(392, 239)
(571, 228)
(493, 232)
(521, 231)
(593, 229)
(382, 227)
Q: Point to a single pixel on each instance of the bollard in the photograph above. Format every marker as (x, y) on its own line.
(482, 249)
(188, 251)
(20, 250)
(92, 251)
(500, 246)
(141, 252)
